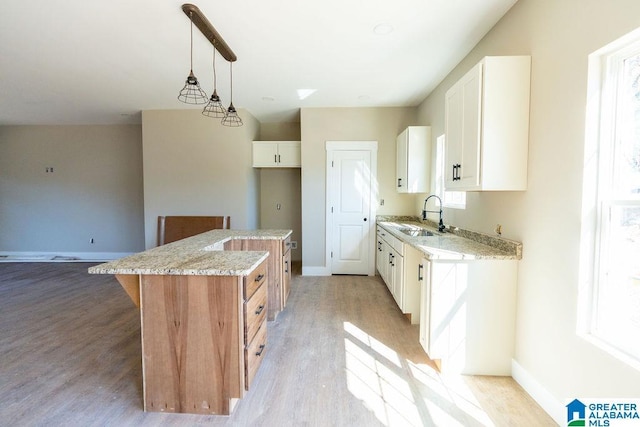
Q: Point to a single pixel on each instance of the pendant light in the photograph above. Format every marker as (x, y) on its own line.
(231, 118)
(191, 92)
(214, 108)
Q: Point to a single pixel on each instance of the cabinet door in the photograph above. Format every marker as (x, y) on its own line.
(388, 268)
(401, 161)
(453, 132)
(289, 154)
(447, 325)
(413, 160)
(425, 303)
(265, 154)
(463, 131)
(411, 286)
(398, 278)
(471, 91)
(380, 256)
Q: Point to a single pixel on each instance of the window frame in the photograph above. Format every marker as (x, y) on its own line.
(606, 67)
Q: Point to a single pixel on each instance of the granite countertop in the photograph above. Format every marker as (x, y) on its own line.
(202, 254)
(456, 245)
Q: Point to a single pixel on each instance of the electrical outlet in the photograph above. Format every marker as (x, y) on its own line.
(294, 245)
(381, 202)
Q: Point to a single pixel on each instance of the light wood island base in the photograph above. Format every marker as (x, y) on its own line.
(203, 317)
(192, 343)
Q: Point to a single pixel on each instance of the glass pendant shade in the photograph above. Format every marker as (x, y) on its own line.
(191, 93)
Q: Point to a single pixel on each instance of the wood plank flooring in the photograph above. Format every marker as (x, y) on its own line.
(341, 354)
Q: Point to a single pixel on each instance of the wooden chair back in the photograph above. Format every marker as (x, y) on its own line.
(172, 228)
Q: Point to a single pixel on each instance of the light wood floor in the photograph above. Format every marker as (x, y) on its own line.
(341, 354)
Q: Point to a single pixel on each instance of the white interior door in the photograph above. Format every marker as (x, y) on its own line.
(350, 199)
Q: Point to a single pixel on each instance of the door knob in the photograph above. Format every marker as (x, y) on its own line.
(365, 219)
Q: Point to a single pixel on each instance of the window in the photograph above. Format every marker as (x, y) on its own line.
(614, 309)
(450, 199)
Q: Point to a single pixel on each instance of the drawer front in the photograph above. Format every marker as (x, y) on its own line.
(255, 311)
(254, 280)
(395, 243)
(254, 353)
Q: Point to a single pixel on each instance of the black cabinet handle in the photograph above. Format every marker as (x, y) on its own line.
(453, 172)
(399, 182)
(275, 158)
(259, 353)
(456, 172)
(286, 268)
(259, 310)
(420, 267)
(279, 159)
(260, 277)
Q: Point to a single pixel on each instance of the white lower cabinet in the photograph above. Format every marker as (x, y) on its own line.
(468, 315)
(398, 265)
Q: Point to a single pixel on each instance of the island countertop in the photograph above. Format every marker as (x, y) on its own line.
(200, 255)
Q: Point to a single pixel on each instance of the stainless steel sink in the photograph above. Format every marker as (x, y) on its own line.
(418, 232)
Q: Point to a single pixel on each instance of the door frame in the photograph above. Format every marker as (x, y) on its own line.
(372, 147)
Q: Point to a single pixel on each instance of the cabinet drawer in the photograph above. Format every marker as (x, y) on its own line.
(254, 280)
(254, 353)
(255, 311)
(394, 242)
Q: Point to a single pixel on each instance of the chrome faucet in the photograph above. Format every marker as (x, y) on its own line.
(424, 211)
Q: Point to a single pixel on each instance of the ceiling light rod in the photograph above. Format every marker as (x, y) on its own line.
(208, 31)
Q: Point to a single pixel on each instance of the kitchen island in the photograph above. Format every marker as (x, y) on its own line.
(203, 311)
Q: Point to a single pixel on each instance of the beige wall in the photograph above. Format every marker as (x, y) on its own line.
(94, 192)
(281, 187)
(289, 131)
(319, 125)
(195, 166)
(559, 35)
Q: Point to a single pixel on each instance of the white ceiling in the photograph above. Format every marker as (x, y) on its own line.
(104, 61)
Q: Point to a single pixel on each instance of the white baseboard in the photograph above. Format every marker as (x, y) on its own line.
(316, 271)
(61, 256)
(546, 400)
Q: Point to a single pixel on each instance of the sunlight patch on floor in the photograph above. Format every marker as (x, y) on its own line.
(396, 389)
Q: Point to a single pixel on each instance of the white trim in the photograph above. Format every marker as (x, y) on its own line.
(546, 400)
(372, 146)
(603, 88)
(316, 271)
(6, 256)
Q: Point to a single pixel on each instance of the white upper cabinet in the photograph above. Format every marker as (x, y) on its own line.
(487, 126)
(413, 160)
(276, 154)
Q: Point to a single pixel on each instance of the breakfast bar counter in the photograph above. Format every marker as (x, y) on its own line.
(203, 312)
